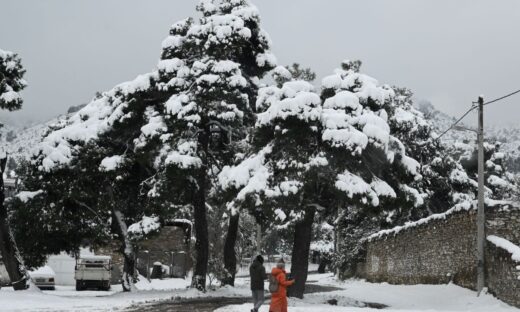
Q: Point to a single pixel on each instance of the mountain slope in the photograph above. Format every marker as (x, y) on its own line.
(464, 137)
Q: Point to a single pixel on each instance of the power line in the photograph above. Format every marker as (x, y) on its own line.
(457, 121)
(475, 106)
(502, 97)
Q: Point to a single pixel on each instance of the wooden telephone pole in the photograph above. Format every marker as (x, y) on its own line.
(481, 217)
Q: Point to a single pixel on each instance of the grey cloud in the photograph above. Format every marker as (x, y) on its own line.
(448, 52)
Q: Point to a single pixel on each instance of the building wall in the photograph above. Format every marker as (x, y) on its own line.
(440, 250)
(172, 242)
(170, 247)
(64, 266)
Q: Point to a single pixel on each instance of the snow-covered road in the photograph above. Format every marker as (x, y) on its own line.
(350, 296)
(416, 298)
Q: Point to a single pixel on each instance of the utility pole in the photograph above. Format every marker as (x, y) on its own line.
(481, 217)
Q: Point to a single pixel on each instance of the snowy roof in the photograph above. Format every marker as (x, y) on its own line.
(465, 206)
(95, 257)
(184, 221)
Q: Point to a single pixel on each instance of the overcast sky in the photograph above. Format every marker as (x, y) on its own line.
(447, 51)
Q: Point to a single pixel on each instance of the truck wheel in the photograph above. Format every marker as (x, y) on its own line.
(79, 287)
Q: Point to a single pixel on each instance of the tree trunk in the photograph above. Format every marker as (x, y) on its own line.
(300, 253)
(324, 262)
(201, 235)
(230, 257)
(129, 272)
(8, 250)
(258, 238)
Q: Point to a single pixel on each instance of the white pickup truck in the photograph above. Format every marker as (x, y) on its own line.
(93, 272)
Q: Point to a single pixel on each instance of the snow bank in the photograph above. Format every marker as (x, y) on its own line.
(164, 284)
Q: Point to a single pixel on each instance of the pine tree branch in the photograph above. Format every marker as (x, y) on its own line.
(84, 205)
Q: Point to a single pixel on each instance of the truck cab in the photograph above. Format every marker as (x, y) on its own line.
(93, 272)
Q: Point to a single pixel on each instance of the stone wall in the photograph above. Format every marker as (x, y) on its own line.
(503, 275)
(442, 248)
(171, 243)
(171, 247)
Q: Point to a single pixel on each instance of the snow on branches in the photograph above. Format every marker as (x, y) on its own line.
(11, 81)
(356, 128)
(64, 140)
(146, 226)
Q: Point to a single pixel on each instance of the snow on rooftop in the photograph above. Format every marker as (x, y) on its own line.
(185, 221)
(42, 271)
(95, 257)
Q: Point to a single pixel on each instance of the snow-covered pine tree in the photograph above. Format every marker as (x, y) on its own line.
(11, 82)
(499, 179)
(279, 181)
(322, 246)
(89, 171)
(500, 183)
(56, 214)
(374, 174)
(177, 125)
(436, 164)
(217, 62)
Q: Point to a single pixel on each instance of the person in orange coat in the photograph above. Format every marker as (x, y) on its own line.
(279, 298)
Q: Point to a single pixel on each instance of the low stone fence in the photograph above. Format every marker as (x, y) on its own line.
(503, 269)
(442, 248)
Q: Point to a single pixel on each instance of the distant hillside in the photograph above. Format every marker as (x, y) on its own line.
(465, 138)
(19, 142)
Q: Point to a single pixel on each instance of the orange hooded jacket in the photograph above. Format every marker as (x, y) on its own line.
(279, 298)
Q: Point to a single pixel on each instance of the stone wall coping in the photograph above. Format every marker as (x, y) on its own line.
(465, 206)
(503, 243)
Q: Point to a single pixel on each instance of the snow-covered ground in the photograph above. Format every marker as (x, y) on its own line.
(66, 298)
(418, 298)
(351, 297)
